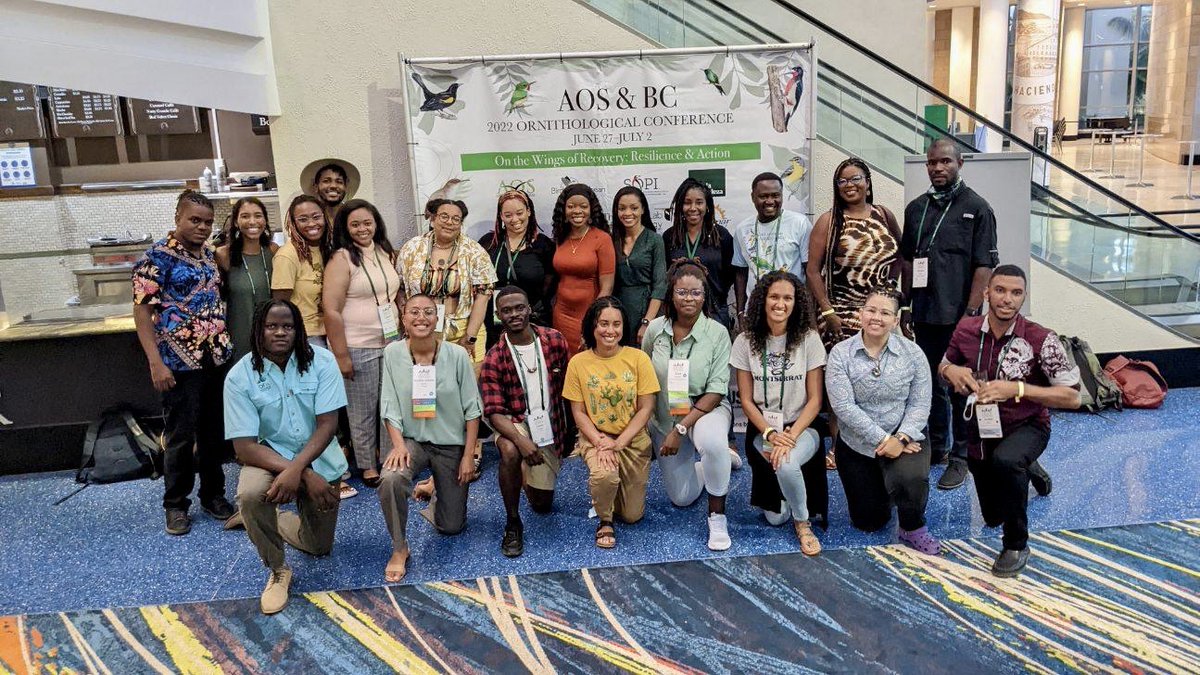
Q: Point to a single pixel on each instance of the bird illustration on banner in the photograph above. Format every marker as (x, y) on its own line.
(792, 91)
(793, 175)
(455, 188)
(520, 96)
(436, 102)
(714, 80)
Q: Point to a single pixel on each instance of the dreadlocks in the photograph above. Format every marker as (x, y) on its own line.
(303, 248)
(676, 236)
(300, 346)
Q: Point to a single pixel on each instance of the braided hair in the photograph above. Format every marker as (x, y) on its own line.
(837, 221)
(677, 234)
(192, 197)
(531, 229)
(561, 228)
(300, 347)
(303, 248)
(801, 321)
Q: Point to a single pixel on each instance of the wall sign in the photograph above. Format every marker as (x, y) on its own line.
(160, 117)
(75, 114)
(20, 116)
(16, 167)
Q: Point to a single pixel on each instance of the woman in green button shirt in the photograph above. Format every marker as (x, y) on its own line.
(641, 282)
(246, 266)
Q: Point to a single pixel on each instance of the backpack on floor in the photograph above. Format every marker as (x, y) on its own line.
(1142, 386)
(117, 449)
(1097, 391)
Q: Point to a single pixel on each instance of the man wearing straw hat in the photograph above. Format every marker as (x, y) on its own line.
(332, 181)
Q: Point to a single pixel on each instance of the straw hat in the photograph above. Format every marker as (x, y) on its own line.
(310, 172)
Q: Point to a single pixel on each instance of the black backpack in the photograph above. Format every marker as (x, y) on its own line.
(117, 449)
(1097, 391)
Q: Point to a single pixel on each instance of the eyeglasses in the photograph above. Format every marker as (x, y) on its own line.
(875, 311)
(685, 293)
(447, 218)
(857, 180)
(417, 312)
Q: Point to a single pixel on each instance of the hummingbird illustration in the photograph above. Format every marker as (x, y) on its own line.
(795, 82)
(436, 102)
(713, 80)
(520, 96)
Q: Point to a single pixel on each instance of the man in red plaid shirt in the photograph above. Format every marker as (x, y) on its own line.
(522, 382)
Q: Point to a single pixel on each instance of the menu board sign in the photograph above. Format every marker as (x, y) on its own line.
(75, 113)
(161, 117)
(20, 117)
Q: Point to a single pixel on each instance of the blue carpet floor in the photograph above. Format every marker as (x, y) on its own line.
(1119, 599)
(105, 547)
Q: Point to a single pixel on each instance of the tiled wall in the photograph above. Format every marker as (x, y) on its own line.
(1174, 70)
(50, 225)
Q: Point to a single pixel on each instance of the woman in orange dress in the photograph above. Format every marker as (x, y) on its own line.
(585, 260)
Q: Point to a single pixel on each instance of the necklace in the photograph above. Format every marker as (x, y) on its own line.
(577, 240)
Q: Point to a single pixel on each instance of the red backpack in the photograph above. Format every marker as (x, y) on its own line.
(1142, 386)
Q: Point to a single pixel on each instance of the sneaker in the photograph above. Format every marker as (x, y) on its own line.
(219, 508)
(275, 595)
(1040, 479)
(954, 476)
(178, 522)
(921, 541)
(513, 544)
(718, 533)
(1010, 563)
(735, 459)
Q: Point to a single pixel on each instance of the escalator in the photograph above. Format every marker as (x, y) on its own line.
(1078, 226)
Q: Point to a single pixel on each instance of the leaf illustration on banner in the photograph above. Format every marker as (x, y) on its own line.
(736, 101)
(426, 123)
(748, 68)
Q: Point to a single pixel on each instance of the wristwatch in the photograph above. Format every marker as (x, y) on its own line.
(645, 322)
(975, 312)
(680, 429)
(904, 439)
(473, 339)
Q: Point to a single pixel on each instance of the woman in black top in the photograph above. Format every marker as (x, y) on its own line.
(695, 235)
(522, 256)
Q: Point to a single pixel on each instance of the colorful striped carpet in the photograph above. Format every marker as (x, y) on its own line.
(1121, 599)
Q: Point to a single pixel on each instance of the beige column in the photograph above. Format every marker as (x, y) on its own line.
(1070, 68)
(962, 55)
(1035, 66)
(989, 72)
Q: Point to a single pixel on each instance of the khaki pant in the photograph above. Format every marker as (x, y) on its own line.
(544, 476)
(623, 491)
(313, 529)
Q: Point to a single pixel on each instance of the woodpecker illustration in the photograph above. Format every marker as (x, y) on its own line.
(795, 83)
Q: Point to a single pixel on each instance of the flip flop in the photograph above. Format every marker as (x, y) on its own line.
(809, 544)
(393, 572)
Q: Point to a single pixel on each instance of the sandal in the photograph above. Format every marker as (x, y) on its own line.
(423, 491)
(394, 572)
(830, 462)
(478, 460)
(372, 481)
(606, 537)
(809, 544)
(346, 491)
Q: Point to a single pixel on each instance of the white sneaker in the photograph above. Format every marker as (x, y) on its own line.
(718, 533)
(777, 519)
(736, 459)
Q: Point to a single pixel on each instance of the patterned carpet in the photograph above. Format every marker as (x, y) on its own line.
(1120, 599)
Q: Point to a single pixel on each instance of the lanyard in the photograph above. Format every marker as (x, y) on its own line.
(979, 357)
(782, 379)
(758, 245)
(692, 249)
(512, 258)
(537, 348)
(921, 228)
(386, 291)
(437, 347)
(253, 288)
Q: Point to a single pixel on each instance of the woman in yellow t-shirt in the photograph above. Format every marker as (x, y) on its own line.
(299, 265)
(611, 389)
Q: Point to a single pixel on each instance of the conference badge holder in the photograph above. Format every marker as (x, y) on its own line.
(774, 420)
(387, 320)
(678, 373)
(540, 431)
(920, 273)
(424, 392)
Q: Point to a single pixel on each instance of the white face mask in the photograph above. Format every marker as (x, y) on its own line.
(969, 409)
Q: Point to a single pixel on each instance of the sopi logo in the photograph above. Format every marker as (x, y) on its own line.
(645, 183)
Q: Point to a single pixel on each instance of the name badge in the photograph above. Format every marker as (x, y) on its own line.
(988, 417)
(441, 322)
(424, 392)
(387, 320)
(774, 421)
(540, 431)
(920, 273)
(678, 373)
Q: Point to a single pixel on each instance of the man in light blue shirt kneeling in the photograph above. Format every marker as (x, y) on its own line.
(281, 412)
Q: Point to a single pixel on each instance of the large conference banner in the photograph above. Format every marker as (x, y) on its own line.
(648, 119)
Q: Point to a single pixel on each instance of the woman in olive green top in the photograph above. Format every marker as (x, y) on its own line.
(245, 263)
(641, 283)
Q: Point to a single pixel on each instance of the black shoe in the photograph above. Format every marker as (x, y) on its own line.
(1010, 563)
(219, 508)
(1040, 479)
(178, 522)
(513, 544)
(954, 475)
